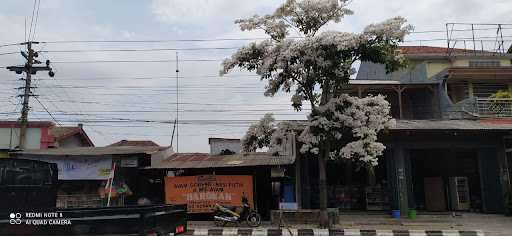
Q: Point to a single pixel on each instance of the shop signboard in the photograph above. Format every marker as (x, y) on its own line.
(81, 168)
(202, 192)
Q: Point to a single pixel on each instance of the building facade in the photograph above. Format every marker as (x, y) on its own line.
(42, 135)
(450, 149)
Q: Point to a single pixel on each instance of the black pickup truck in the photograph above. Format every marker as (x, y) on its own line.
(27, 207)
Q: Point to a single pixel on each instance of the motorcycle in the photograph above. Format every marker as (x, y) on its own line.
(227, 214)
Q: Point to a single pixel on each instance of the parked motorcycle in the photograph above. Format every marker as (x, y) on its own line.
(228, 214)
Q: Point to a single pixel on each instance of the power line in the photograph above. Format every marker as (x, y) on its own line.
(47, 111)
(140, 49)
(8, 53)
(32, 19)
(222, 39)
(37, 17)
(135, 61)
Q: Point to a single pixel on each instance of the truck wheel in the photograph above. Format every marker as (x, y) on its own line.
(254, 219)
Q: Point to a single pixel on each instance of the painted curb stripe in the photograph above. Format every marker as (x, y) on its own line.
(336, 232)
(451, 233)
(274, 232)
(321, 232)
(305, 232)
(384, 233)
(326, 232)
(366, 232)
(230, 232)
(259, 232)
(468, 233)
(215, 232)
(352, 232)
(434, 233)
(401, 233)
(245, 232)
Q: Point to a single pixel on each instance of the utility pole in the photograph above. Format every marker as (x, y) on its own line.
(177, 105)
(26, 96)
(29, 70)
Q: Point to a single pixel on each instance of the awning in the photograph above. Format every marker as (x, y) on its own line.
(89, 151)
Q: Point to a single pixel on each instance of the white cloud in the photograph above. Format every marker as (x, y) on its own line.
(206, 12)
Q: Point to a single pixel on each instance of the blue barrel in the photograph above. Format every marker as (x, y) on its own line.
(395, 214)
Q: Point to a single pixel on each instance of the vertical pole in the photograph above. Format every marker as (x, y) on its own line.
(26, 95)
(111, 178)
(177, 105)
(400, 166)
(447, 39)
(473, 34)
(399, 90)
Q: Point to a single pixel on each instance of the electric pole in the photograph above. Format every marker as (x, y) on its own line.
(29, 70)
(177, 105)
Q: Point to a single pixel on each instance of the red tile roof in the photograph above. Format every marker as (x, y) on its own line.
(63, 132)
(430, 50)
(138, 143)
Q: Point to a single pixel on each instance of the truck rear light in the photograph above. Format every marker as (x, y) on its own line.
(180, 229)
(152, 234)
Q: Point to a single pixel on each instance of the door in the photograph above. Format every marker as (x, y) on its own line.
(434, 194)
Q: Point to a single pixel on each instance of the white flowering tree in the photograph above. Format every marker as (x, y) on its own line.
(315, 67)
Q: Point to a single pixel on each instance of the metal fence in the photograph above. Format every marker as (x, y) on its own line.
(494, 107)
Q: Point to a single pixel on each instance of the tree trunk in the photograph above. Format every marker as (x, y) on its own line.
(322, 158)
(322, 185)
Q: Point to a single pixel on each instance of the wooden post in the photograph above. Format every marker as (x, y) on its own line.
(298, 182)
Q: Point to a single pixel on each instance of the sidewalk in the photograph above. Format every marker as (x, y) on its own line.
(360, 224)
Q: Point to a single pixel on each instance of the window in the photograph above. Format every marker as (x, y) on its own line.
(484, 64)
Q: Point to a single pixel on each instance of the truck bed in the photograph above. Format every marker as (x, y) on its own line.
(153, 220)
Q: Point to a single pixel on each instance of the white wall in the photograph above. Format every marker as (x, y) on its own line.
(216, 146)
(9, 138)
(69, 142)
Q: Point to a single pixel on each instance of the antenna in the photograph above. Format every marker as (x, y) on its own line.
(177, 103)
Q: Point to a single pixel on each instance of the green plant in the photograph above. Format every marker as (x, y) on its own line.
(497, 103)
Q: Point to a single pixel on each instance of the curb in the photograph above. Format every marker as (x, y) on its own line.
(327, 232)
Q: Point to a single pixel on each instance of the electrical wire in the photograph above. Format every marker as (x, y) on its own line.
(135, 61)
(37, 17)
(47, 111)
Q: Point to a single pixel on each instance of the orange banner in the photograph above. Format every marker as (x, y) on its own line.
(201, 192)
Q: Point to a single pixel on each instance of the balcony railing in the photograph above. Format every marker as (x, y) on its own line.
(493, 107)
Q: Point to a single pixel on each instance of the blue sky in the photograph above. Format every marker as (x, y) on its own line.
(86, 92)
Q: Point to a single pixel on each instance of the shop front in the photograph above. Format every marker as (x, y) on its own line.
(428, 166)
(202, 180)
(97, 176)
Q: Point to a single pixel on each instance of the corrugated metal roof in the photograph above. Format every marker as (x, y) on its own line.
(205, 160)
(89, 151)
(138, 143)
(450, 125)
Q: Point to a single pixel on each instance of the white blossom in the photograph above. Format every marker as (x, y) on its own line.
(258, 135)
(315, 69)
(361, 119)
